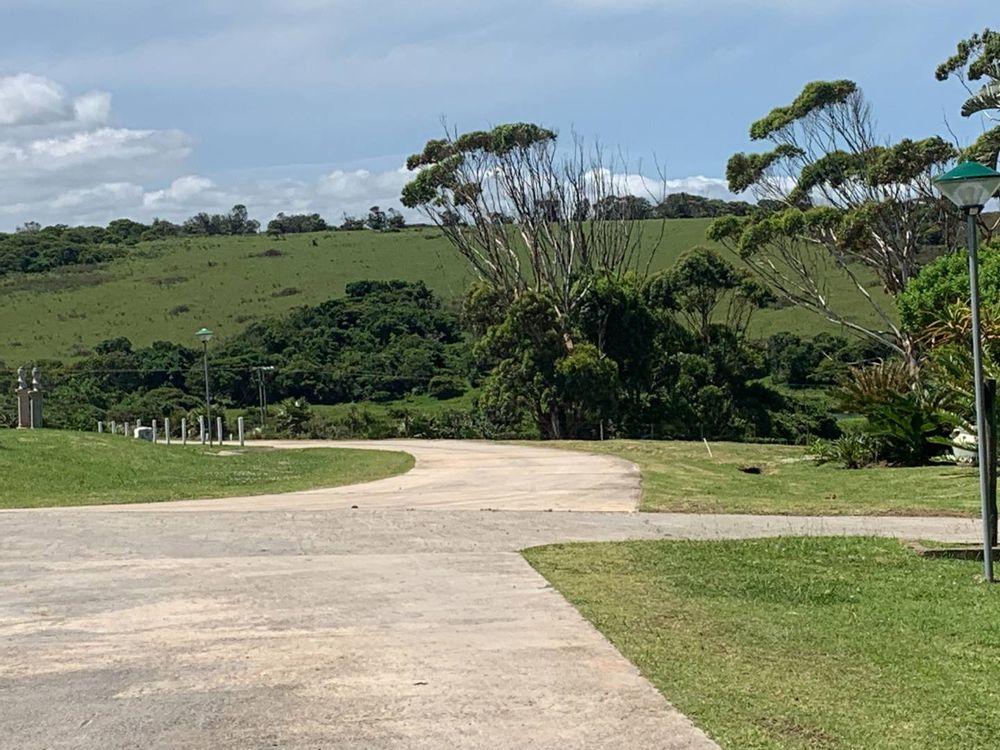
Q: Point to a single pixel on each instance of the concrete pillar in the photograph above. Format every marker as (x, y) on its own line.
(166, 429)
(154, 430)
(23, 401)
(128, 432)
(218, 429)
(114, 427)
(239, 429)
(100, 427)
(35, 397)
(184, 431)
(201, 428)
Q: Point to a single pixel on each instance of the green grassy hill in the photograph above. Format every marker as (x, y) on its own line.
(166, 290)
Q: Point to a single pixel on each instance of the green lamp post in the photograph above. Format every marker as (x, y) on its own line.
(204, 336)
(970, 186)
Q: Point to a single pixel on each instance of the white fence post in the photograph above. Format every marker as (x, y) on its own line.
(239, 427)
(166, 429)
(218, 429)
(201, 427)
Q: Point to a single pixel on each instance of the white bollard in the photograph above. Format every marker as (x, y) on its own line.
(113, 425)
(239, 428)
(218, 429)
(154, 432)
(166, 429)
(184, 431)
(201, 427)
(128, 432)
(100, 427)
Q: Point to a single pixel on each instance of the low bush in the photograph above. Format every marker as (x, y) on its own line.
(855, 450)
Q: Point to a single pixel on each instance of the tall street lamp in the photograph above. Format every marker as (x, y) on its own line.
(204, 336)
(970, 186)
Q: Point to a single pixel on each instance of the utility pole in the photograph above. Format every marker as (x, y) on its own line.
(262, 392)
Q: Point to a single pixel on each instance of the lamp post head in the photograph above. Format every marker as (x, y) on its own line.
(969, 186)
(204, 335)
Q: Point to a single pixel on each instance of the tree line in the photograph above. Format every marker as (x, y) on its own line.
(34, 248)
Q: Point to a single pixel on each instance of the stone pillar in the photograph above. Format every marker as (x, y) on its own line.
(36, 399)
(154, 430)
(166, 429)
(239, 429)
(201, 428)
(218, 429)
(114, 427)
(100, 428)
(23, 401)
(184, 431)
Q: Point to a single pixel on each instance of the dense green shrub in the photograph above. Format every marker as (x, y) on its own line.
(292, 417)
(380, 342)
(944, 282)
(443, 387)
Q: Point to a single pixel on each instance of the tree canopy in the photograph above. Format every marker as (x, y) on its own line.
(839, 202)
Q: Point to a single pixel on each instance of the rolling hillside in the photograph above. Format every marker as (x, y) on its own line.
(166, 290)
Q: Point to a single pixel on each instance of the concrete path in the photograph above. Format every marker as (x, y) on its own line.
(298, 622)
(460, 475)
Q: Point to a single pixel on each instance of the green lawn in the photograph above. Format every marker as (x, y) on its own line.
(799, 643)
(681, 477)
(168, 289)
(50, 468)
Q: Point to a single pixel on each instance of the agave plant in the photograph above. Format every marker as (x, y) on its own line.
(877, 383)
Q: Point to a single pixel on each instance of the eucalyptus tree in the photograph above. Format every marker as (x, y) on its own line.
(545, 230)
(519, 211)
(839, 201)
(977, 62)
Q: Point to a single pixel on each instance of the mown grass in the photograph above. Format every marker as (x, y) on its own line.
(682, 477)
(799, 643)
(168, 289)
(49, 468)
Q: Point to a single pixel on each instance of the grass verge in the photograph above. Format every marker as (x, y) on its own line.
(799, 643)
(50, 468)
(682, 477)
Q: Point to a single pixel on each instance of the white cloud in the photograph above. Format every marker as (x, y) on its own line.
(62, 162)
(27, 99)
(180, 192)
(655, 188)
(94, 107)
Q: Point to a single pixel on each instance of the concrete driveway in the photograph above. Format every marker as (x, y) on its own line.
(299, 622)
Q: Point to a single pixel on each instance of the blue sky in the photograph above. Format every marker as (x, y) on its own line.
(143, 107)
